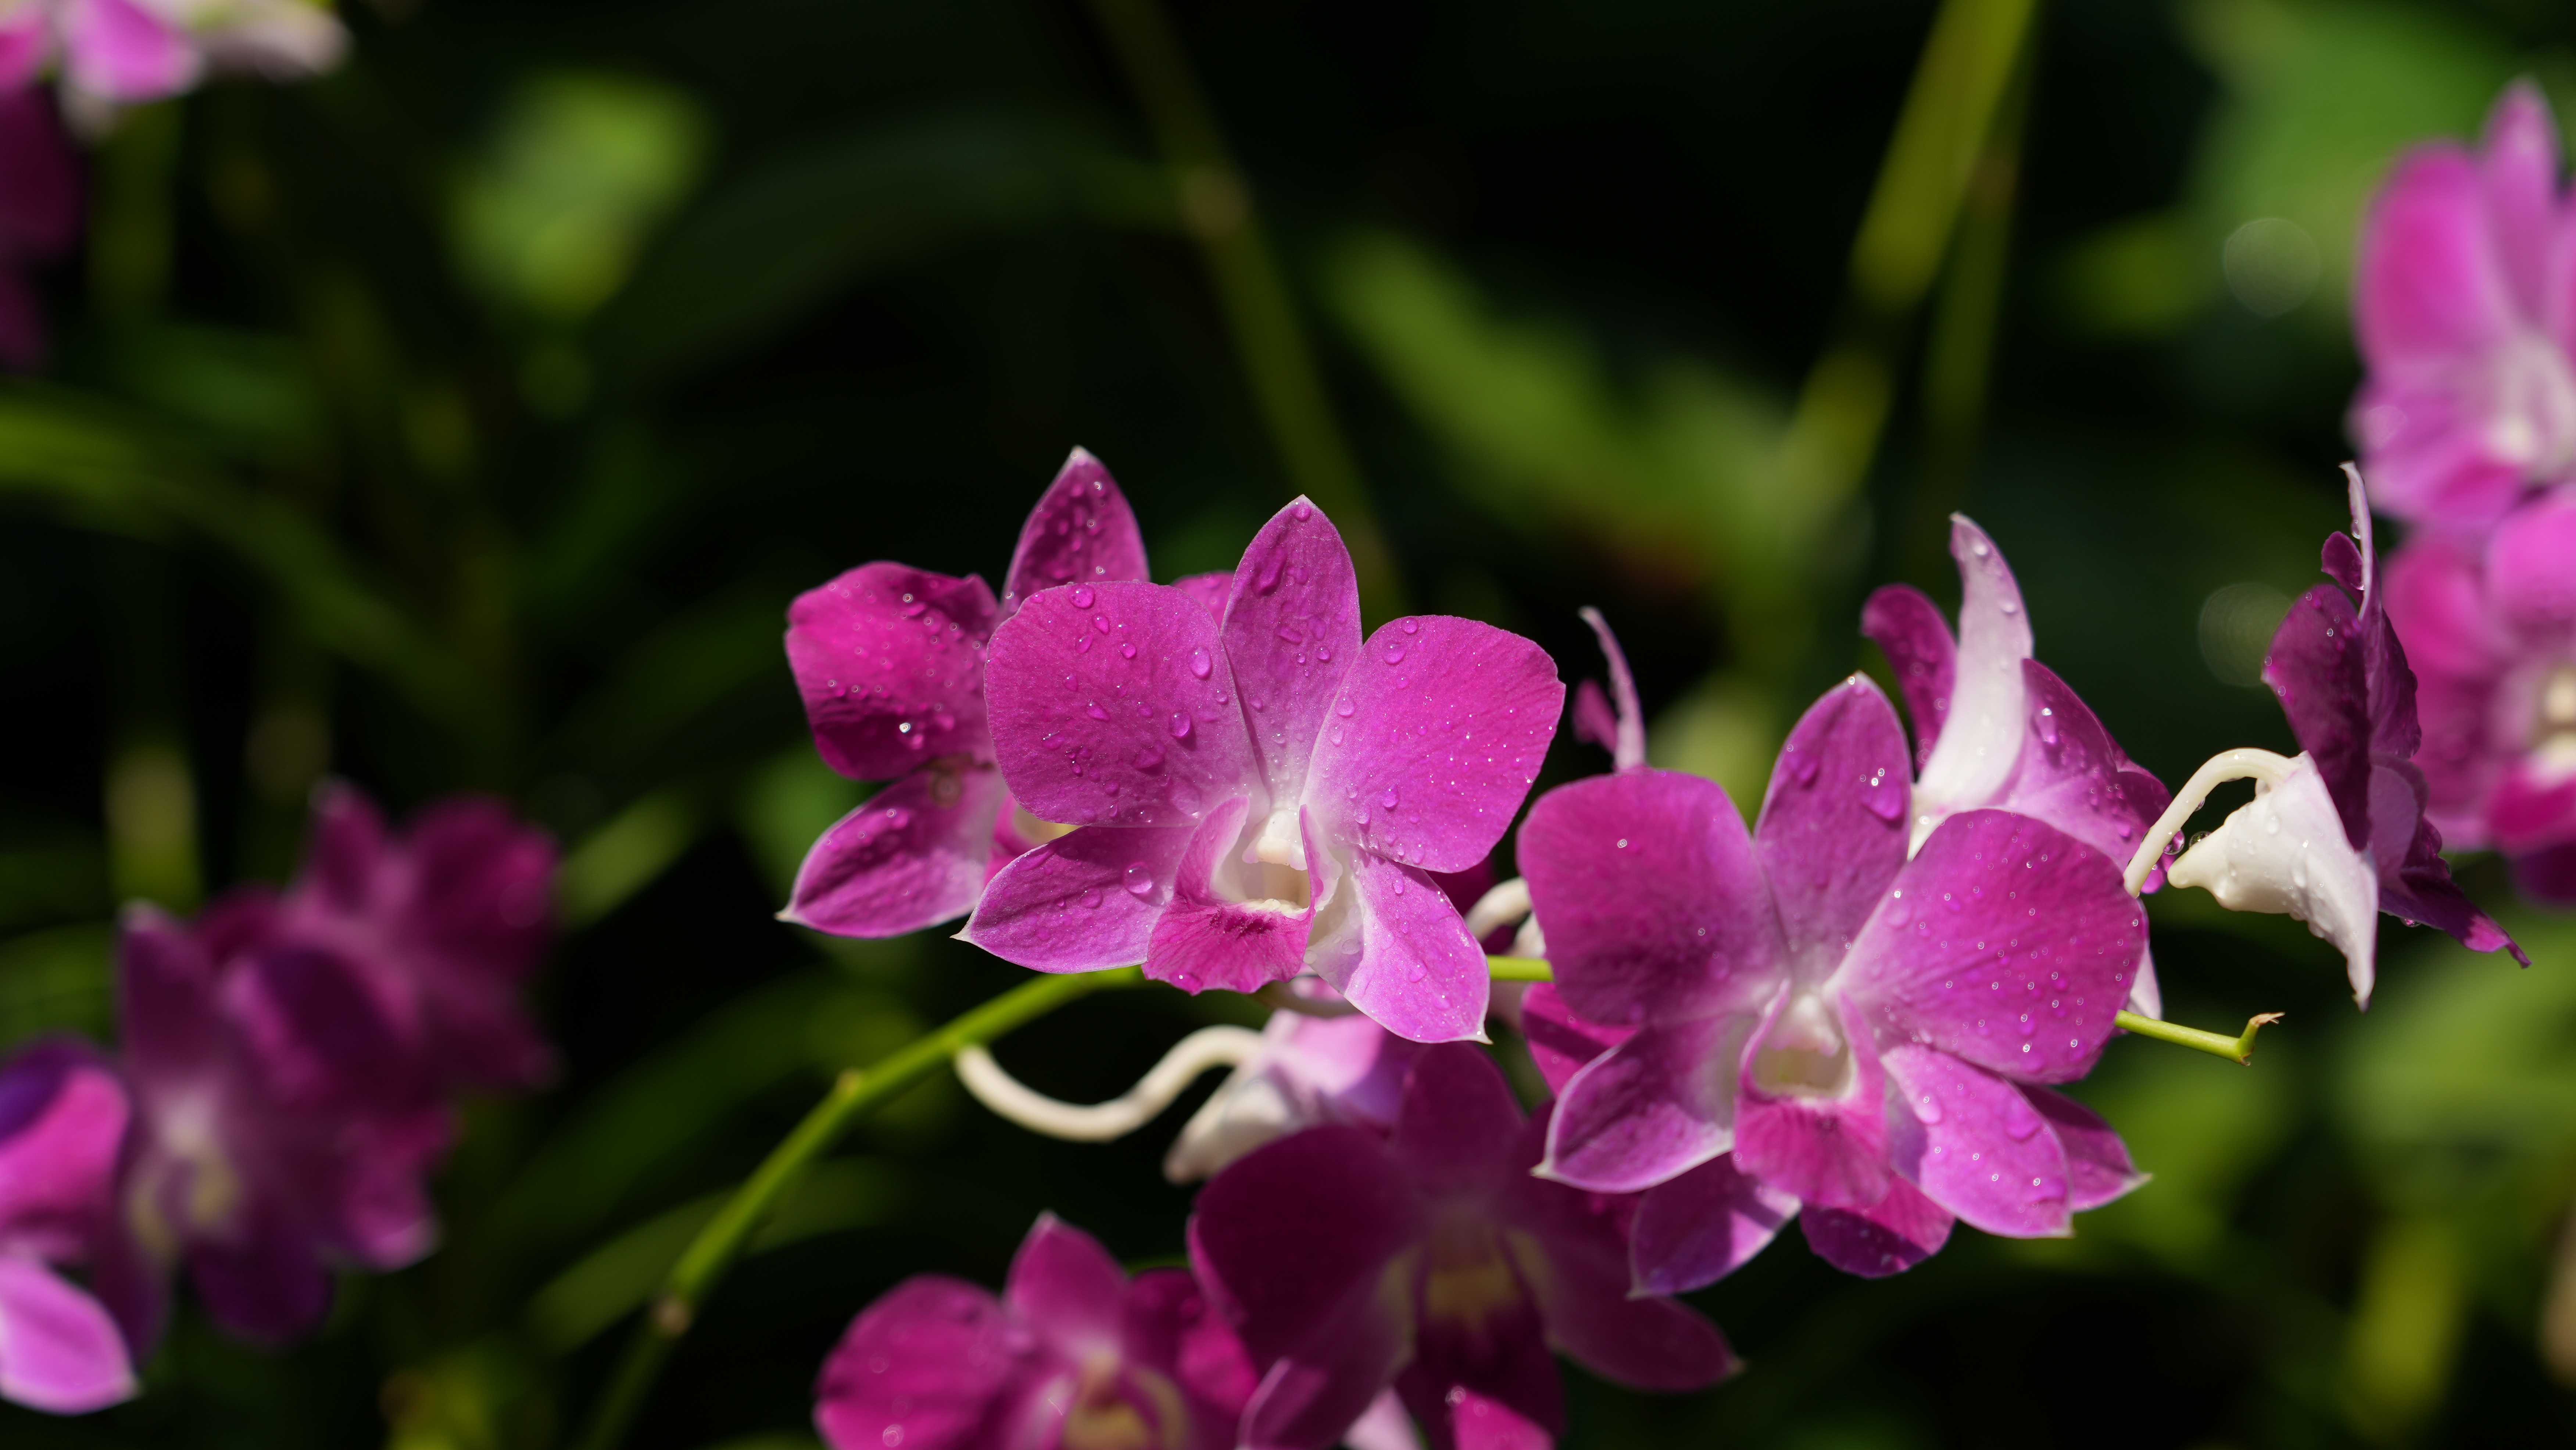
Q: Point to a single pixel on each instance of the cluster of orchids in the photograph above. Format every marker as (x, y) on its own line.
(1854, 1013)
(284, 1083)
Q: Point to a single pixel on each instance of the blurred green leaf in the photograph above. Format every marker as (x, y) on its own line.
(61, 980)
(623, 856)
(787, 805)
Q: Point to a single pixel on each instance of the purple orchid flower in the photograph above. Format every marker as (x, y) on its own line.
(63, 1115)
(1074, 1354)
(1816, 1019)
(2465, 326)
(1265, 795)
(1310, 1070)
(2493, 644)
(40, 207)
(1996, 729)
(891, 663)
(1431, 1260)
(113, 53)
(2338, 835)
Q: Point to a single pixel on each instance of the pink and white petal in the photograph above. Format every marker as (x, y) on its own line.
(2098, 1169)
(1070, 905)
(1479, 1423)
(1976, 1146)
(63, 1115)
(1208, 938)
(1833, 827)
(1211, 590)
(1292, 630)
(890, 660)
(2436, 594)
(1068, 1290)
(1403, 955)
(26, 43)
(926, 1365)
(2531, 567)
(2284, 852)
(1909, 628)
(1433, 740)
(1111, 704)
(2436, 466)
(59, 1350)
(2430, 290)
(2146, 996)
(1698, 1228)
(1382, 1426)
(2005, 941)
(1560, 1042)
(1655, 1107)
(1888, 1237)
(1825, 1150)
(1080, 532)
(2518, 166)
(2075, 777)
(913, 856)
(1626, 738)
(125, 51)
(1652, 896)
(1982, 733)
(2317, 668)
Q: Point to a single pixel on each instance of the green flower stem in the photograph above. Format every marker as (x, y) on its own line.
(855, 1093)
(2235, 1049)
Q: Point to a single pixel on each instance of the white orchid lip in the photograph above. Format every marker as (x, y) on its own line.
(1805, 1055)
(2284, 852)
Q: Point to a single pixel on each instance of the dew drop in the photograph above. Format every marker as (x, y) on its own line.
(1199, 665)
(1415, 973)
(1081, 597)
(1139, 879)
(1927, 1109)
(1388, 800)
(1100, 622)
(2019, 1121)
(1082, 646)
(1127, 650)
(1180, 725)
(1148, 757)
(1095, 712)
(1091, 898)
(1412, 626)
(1395, 651)
(2048, 727)
(1302, 511)
(1345, 708)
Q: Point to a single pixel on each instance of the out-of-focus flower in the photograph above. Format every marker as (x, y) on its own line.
(113, 53)
(1995, 728)
(63, 1116)
(1431, 1259)
(1613, 721)
(1815, 1018)
(2491, 633)
(2465, 323)
(1311, 1069)
(891, 663)
(279, 1132)
(40, 196)
(1231, 842)
(1074, 1354)
(2338, 834)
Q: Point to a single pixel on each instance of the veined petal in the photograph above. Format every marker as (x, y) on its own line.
(1292, 630)
(2429, 450)
(929, 1362)
(1976, 1146)
(1403, 956)
(1652, 897)
(1696, 1229)
(1433, 739)
(1080, 532)
(890, 660)
(1072, 905)
(1111, 704)
(2098, 1169)
(1910, 629)
(1561, 1042)
(1068, 1290)
(59, 1351)
(1832, 833)
(1211, 939)
(1982, 733)
(2430, 286)
(1825, 1147)
(2285, 851)
(1888, 1237)
(1656, 1106)
(1580, 1271)
(912, 856)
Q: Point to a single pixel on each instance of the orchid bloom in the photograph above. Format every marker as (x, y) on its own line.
(126, 52)
(1994, 728)
(62, 1122)
(2493, 643)
(1074, 1356)
(1263, 796)
(40, 205)
(2337, 834)
(2465, 324)
(891, 663)
(1815, 1018)
(1430, 1259)
(1309, 1070)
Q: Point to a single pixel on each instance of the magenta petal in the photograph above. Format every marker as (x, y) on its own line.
(1977, 1147)
(1828, 1150)
(63, 1114)
(2098, 1169)
(2074, 777)
(1832, 833)
(346, 845)
(925, 1366)
(265, 1284)
(1982, 731)
(120, 50)
(1656, 1106)
(1916, 639)
(1702, 1226)
(1651, 896)
(1072, 905)
(1414, 969)
(2315, 666)
(2004, 941)
(890, 660)
(325, 1031)
(1208, 939)
(482, 887)
(1081, 532)
(1211, 590)
(1308, 1398)
(1560, 1042)
(1479, 1423)
(1585, 1294)
(1458, 1122)
(1625, 738)
(1068, 1289)
(59, 1351)
(1292, 631)
(1111, 704)
(1889, 1237)
(1434, 739)
(26, 43)
(913, 856)
(2429, 285)
(2531, 566)
(2518, 165)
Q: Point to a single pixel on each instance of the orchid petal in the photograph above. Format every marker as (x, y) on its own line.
(1479, 1423)
(914, 855)
(1560, 1042)
(63, 1114)
(1292, 631)
(2531, 566)
(890, 660)
(2518, 172)
(2430, 287)
(2285, 851)
(925, 1365)
(2098, 1169)
(1459, 1122)
(1626, 739)
(2073, 775)
(2415, 882)
(1656, 1106)
(1832, 833)
(1067, 1289)
(123, 51)
(1823, 1149)
(1206, 939)
(1383, 1426)
(264, 1283)
(1407, 960)
(26, 43)
(1917, 642)
(1071, 904)
(322, 1029)
(1696, 1229)
(1888, 1237)
(1211, 590)
(1080, 532)
(1981, 734)
(1977, 1147)
(59, 1350)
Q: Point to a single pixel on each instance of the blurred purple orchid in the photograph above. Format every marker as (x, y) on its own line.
(40, 202)
(1814, 1018)
(2338, 834)
(1074, 1354)
(1231, 843)
(112, 53)
(891, 663)
(2465, 325)
(63, 1115)
(1431, 1260)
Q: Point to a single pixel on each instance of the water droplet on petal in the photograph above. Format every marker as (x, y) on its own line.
(1345, 708)
(1199, 665)
(1091, 897)
(1139, 879)
(1388, 800)
(1301, 511)
(1415, 973)
(1412, 626)
(1148, 757)
(1128, 650)
(1100, 622)
(1095, 712)
(1180, 726)
(1927, 1109)
(2047, 727)
(1395, 651)
(2019, 1120)
(1081, 597)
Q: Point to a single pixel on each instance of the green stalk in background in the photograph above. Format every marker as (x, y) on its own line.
(1216, 208)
